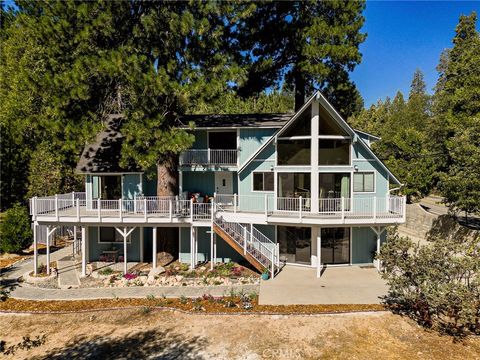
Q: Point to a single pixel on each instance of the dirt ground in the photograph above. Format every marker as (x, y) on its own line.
(163, 334)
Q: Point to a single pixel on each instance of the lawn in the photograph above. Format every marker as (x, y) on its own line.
(163, 334)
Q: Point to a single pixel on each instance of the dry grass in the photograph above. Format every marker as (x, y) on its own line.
(160, 334)
(7, 259)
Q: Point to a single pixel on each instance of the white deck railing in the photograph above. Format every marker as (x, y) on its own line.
(76, 205)
(263, 250)
(227, 157)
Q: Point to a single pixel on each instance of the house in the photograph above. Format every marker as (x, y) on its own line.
(303, 189)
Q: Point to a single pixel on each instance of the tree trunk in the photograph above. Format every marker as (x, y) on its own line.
(167, 185)
(300, 85)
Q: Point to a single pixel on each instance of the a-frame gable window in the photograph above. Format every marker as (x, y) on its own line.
(334, 142)
(294, 144)
(328, 126)
(301, 126)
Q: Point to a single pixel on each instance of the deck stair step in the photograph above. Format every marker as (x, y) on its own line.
(258, 250)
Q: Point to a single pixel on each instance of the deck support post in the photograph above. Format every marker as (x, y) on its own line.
(74, 247)
(378, 232)
(124, 250)
(192, 247)
(78, 209)
(196, 249)
(378, 252)
(84, 250)
(125, 233)
(154, 247)
(319, 252)
(141, 243)
(35, 247)
(48, 250)
(212, 236)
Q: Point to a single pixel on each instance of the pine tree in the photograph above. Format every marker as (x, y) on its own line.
(457, 110)
(307, 45)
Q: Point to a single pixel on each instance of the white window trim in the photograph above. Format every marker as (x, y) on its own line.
(262, 172)
(129, 237)
(334, 137)
(297, 137)
(374, 182)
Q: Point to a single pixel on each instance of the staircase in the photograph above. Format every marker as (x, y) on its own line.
(256, 248)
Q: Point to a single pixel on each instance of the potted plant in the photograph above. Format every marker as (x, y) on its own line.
(265, 274)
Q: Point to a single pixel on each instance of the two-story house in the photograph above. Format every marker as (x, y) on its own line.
(303, 189)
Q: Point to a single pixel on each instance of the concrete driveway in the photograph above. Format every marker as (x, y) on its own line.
(337, 285)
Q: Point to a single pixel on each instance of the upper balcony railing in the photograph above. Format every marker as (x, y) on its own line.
(349, 210)
(224, 157)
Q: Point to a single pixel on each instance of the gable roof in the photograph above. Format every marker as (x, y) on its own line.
(337, 117)
(235, 120)
(103, 154)
(371, 136)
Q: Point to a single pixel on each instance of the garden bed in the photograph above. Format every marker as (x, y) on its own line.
(176, 274)
(204, 304)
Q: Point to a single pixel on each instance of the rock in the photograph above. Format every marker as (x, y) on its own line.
(157, 271)
(164, 258)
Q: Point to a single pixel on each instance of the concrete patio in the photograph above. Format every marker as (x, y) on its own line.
(337, 285)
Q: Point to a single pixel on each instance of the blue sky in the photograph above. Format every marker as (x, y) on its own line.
(403, 36)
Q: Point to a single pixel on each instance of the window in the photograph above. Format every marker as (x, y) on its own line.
(293, 185)
(263, 181)
(363, 182)
(110, 235)
(333, 185)
(333, 152)
(301, 126)
(293, 152)
(327, 125)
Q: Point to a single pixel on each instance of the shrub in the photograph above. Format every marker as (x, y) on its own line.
(436, 284)
(15, 231)
(106, 271)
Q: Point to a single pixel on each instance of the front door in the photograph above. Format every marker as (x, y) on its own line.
(223, 182)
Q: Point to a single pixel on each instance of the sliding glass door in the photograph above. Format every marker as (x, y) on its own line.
(295, 244)
(335, 245)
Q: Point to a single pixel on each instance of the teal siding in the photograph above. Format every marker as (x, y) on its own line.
(201, 139)
(132, 185)
(224, 252)
(251, 140)
(202, 182)
(364, 244)
(267, 230)
(150, 182)
(95, 249)
(255, 200)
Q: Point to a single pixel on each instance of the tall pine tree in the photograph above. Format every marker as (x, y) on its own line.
(457, 112)
(304, 45)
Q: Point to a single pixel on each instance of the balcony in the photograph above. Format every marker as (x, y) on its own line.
(208, 157)
(356, 210)
(74, 207)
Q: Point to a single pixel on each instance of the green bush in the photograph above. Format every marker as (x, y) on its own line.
(15, 231)
(437, 284)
